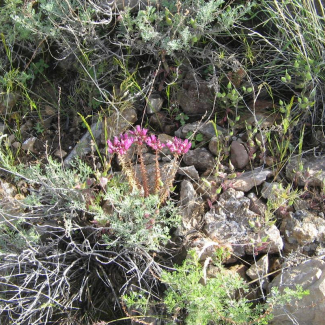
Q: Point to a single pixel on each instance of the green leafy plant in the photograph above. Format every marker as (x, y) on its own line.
(194, 298)
(194, 138)
(182, 118)
(180, 25)
(136, 220)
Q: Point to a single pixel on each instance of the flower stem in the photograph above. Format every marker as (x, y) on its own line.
(169, 180)
(128, 171)
(143, 172)
(158, 175)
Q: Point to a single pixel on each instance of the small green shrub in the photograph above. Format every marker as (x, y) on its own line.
(180, 26)
(195, 299)
(137, 220)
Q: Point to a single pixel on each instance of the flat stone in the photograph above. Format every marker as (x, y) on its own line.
(216, 144)
(269, 190)
(28, 144)
(256, 205)
(165, 173)
(117, 123)
(206, 129)
(189, 203)
(84, 145)
(248, 180)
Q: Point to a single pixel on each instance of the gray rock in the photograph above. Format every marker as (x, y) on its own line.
(28, 144)
(189, 203)
(200, 158)
(83, 146)
(26, 127)
(165, 170)
(256, 205)
(259, 270)
(312, 174)
(230, 222)
(16, 145)
(190, 172)
(302, 229)
(196, 97)
(238, 155)
(216, 144)
(273, 244)
(60, 153)
(149, 158)
(246, 181)
(269, 190)
(206, 129)
(310, 310)
(117, 123)
(187, 128)
(154, 104)
(11, 139)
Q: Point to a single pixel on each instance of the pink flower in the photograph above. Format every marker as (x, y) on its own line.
(120, 146)
(153, 142)
(179, 146)
(140, 135)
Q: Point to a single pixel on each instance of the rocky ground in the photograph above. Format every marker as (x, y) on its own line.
(274, 237)
(252, 185)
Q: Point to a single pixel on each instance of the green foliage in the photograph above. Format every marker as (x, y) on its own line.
(14, 237)
(180, 25)
(182, 117)
(280, 198)
(138, 220)
(216, 300)
(194, 138)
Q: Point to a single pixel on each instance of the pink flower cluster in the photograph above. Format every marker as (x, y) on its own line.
(121, 144)
(179, 146)
(140, 135)
(153, 142)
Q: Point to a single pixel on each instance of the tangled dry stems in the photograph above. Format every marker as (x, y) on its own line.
(70, 276)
